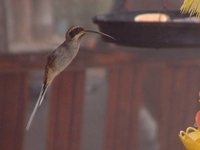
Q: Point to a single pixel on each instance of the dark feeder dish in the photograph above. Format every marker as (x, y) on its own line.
(149, 34)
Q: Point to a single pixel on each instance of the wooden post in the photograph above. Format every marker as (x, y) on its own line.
(66, 111)
(22, 20)
(3, 29)
(122, 109)
(42, 19)
(13, 97)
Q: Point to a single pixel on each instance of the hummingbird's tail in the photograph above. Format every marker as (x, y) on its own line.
(38, 104)
(42, 93)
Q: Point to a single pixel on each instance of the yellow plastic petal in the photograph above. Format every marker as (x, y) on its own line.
(190, 138)
(191, 6)
(193, 133)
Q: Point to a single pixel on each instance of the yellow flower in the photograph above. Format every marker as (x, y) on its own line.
(190, 138)
(191, 6)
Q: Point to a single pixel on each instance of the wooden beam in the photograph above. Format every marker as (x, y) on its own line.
(85, 58)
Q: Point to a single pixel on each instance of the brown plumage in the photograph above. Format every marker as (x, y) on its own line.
(59, 59)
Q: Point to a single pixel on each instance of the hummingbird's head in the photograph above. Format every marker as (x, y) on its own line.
(76, 32)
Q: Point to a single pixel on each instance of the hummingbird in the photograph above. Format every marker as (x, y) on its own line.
(59, 59)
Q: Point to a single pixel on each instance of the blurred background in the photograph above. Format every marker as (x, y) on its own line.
(110, 98)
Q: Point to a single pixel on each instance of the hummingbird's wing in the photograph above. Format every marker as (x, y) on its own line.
(51, 59)
(48, 77)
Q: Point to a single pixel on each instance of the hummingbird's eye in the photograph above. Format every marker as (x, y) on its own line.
(75, 32)
(72, 34)
(79, 29)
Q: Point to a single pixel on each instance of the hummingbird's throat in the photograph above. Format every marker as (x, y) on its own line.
(79, 36)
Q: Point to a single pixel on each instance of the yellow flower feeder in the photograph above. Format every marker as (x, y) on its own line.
(190, 138)
(191, 6)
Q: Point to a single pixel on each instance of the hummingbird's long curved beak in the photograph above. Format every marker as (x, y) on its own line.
(101, 33)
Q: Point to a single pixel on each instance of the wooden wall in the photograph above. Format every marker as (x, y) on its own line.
(165, 81)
